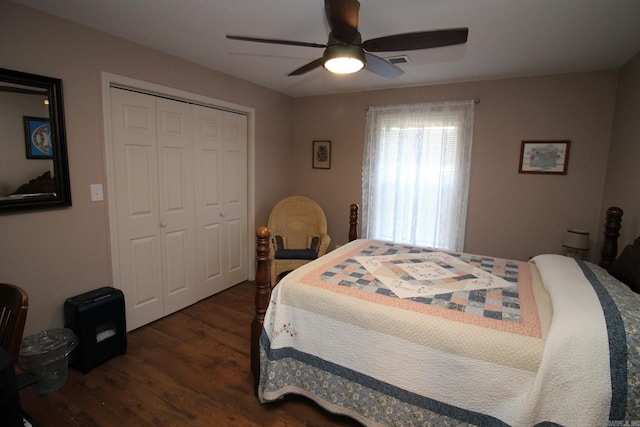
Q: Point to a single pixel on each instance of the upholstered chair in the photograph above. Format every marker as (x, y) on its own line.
(298, 234)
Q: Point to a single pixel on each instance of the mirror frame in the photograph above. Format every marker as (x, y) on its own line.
(53, 87)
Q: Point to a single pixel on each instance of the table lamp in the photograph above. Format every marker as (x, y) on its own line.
(575, 242)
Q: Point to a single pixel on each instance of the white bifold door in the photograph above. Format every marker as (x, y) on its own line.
(179, 173)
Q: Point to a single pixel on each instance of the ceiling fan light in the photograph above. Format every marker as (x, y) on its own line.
(344, 59)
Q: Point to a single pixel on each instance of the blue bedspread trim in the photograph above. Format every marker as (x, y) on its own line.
(618, 354)
(380, 386)
(617, 345)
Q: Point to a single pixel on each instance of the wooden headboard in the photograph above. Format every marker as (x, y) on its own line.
(608, 252)
(612, 226)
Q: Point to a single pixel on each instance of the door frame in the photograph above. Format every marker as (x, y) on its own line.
(110, 80)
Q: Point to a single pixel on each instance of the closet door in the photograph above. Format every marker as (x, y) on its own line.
(153, 171)
(220, 140)
(135, 177)
(177, 209)
(210, 226)
(235, 197)
(179, 173)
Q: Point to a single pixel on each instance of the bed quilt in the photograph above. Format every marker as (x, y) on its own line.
(396, 335)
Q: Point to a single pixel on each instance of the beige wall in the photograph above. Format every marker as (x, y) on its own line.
(61, 253)
(510, 214)
(623, 173)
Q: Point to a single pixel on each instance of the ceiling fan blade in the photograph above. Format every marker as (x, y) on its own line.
(308, 67)
(275, 41)
(382, 67)
(418, 40)
(342, 16)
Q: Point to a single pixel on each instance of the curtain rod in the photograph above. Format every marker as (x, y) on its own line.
(476, 100)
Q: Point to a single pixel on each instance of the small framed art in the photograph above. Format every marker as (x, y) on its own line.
(321, 154)
(544, 157)
(37, 138)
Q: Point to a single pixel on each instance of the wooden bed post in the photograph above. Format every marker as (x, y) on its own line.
(353, 222)
(611, 232)
(262, 296)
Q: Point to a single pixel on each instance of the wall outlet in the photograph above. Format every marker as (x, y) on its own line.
(96, 192)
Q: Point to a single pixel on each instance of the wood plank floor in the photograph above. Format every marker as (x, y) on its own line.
(187, 369)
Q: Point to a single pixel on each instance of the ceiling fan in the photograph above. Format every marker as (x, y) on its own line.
(345, 52)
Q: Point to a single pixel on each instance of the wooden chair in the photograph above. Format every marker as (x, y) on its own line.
(298, 234)
(14, 303)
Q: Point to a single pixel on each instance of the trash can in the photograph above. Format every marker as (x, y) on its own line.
(45, 355)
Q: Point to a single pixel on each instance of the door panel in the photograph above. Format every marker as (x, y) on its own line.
(140, 162)
(211, 278)
(212, 267)
(234, 246)
(174, 180)
(145, 274)
(208, 143)
(135, 157)
(235, 191)
(176, 247)
(177, 210)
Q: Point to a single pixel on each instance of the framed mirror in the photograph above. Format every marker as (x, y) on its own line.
(34, 170)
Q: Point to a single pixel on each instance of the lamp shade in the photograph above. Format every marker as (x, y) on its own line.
(343, 58)
(576, 239)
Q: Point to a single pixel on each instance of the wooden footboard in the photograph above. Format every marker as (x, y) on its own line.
(263, 285)
(262, 296)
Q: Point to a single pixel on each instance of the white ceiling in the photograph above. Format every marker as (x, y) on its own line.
(507, 38)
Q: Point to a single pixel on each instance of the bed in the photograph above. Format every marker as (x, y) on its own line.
(395, 335)
(40, 186)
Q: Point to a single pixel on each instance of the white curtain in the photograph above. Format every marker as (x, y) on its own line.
(415, 175)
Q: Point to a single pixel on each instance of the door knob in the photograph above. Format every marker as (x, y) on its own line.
(163, 224)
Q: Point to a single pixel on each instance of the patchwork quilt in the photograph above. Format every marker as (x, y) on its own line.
(397, 335)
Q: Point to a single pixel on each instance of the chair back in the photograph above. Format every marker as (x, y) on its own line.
(14, 303)
(297, 218)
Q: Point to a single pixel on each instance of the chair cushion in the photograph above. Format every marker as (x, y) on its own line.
(296, 254)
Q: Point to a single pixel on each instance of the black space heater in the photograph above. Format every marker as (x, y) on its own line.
(98, 319)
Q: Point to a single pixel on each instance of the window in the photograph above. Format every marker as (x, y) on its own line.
(415, 178)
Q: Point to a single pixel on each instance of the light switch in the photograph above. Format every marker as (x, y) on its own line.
(96, 192)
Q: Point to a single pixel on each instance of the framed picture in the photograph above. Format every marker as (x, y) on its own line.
(322, 154)
(37, 138)
(544, 157)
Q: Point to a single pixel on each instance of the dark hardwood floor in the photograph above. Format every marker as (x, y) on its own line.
(188, 369)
